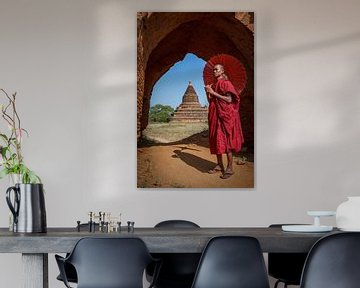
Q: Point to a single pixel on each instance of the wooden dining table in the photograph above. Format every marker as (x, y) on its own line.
(35, 247)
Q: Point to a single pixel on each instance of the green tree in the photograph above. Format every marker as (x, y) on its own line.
(160, 113)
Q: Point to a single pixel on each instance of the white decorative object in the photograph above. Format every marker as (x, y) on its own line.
(348, 214)
(316, 227)
(306, 228)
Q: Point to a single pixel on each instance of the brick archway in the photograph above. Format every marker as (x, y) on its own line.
(165, 38)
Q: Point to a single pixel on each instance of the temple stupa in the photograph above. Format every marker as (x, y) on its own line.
(190, 109)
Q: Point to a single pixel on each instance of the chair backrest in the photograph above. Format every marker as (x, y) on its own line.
(232, 262)
(333, 262)
(287, 267)
(178, 269)
(176, 224)
(110, 262)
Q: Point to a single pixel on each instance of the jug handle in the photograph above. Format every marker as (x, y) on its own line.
(13, 208)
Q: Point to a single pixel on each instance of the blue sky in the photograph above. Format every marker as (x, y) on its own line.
(170, 88)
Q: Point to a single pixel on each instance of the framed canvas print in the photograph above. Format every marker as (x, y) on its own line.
(195, 99)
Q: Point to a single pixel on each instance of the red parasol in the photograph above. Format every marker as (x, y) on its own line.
(234, 69)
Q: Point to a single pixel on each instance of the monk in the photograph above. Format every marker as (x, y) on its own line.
(225, 134)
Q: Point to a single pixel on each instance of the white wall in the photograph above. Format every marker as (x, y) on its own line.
(73, 64)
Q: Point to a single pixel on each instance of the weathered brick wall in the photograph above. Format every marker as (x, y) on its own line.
(165, 38)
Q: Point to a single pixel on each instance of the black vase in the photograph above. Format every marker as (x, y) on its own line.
(27, 207)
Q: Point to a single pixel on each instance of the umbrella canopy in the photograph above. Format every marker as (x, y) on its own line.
(234, 69)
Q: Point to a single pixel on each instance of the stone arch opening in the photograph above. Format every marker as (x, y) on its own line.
(175, 81)
(165, 38)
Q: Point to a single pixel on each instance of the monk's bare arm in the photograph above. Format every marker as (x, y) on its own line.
(227, 97)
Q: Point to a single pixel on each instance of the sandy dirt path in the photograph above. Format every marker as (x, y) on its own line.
(186, 165)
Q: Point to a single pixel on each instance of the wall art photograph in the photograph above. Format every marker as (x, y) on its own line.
(195, 100)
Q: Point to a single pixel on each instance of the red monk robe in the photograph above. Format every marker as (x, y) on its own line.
(225, 133)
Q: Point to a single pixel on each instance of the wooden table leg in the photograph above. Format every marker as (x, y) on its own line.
(35, 270)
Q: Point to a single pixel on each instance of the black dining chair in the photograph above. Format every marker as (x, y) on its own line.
(108, 263)
(333, 262)
(178, 269)
(232, 262)
(69, 269)
(286, 267)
